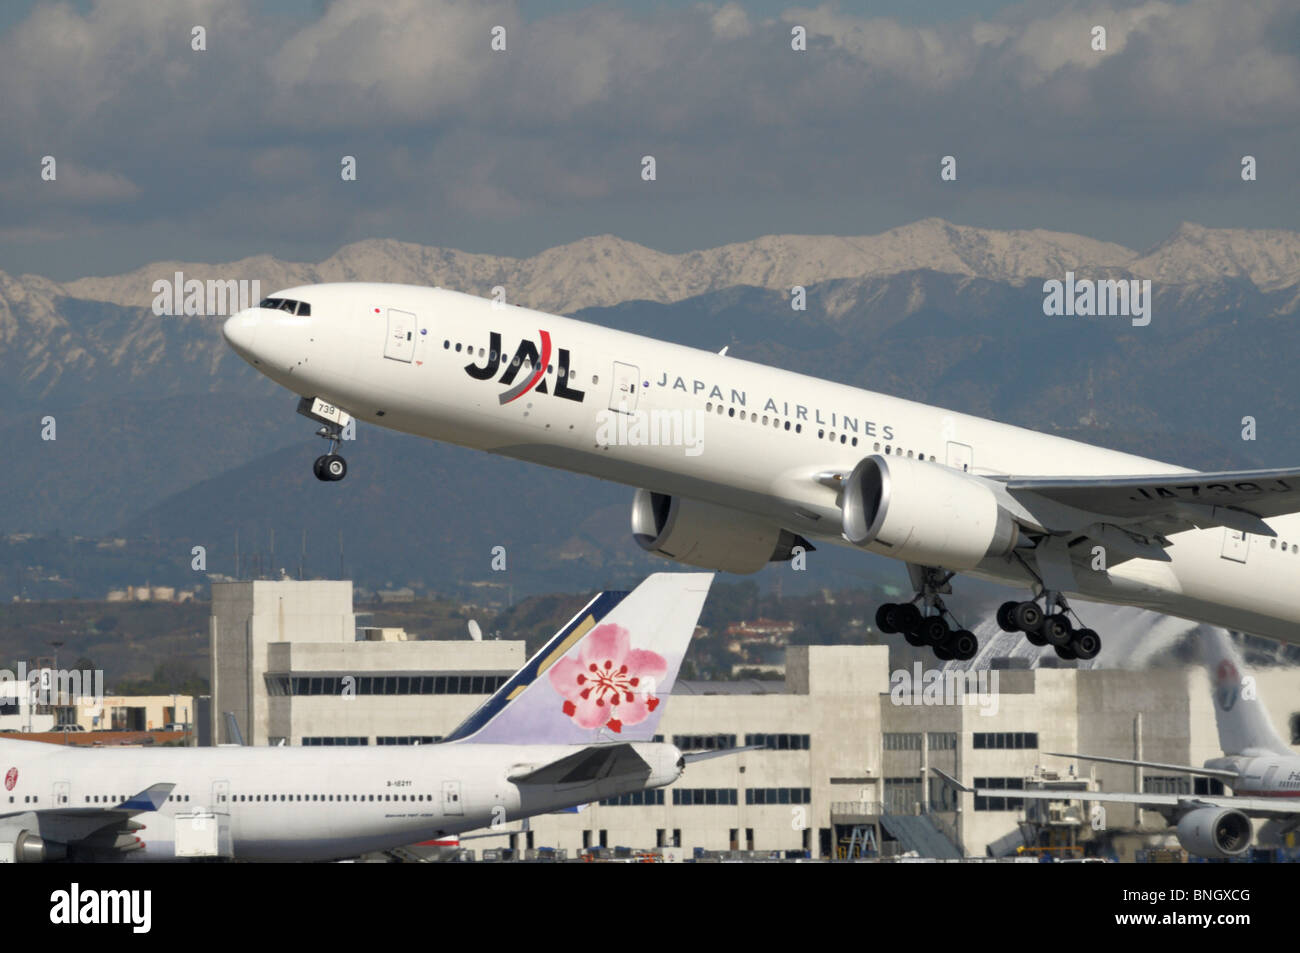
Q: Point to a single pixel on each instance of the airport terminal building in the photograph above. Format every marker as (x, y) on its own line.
(849, 746)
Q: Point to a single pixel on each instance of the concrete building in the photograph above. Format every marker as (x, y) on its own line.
(849, 744)
(290, 663)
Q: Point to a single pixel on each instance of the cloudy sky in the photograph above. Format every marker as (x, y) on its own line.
(164, 152)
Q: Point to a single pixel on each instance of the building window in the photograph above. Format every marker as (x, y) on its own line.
(337, 685)
(704, 742)
(778, 795)
(1166, 784)
(696, 797)
(942, 740)
(1000, 803)
(780, 742)
(331, 741)
(1005, 739)
(636, 799)
(902, 741)
(408, 739)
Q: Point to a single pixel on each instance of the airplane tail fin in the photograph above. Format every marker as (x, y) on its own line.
(1243, 722)
(604, 676)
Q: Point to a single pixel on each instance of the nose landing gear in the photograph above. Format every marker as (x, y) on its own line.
(329, 468)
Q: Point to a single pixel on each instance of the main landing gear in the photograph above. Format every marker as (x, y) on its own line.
(927, 624)
(1052, 627)
(330, 468)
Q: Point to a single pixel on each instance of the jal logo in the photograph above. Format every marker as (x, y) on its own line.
(1228, 683)
(11, 779)
(527, 370)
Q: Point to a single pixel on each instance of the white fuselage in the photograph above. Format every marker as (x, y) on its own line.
(1261, 775)
(290, 803)
(755, 464)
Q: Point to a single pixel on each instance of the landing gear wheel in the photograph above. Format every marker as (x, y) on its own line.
(886, 618)
(1026, 616)
(1004, 617)
(1056, 629)
(333, 467)
(907, 618)
(1065, 652)
(1035, 638)
(943, 653)
(933, 630)
(318, 468)
(1085, 644)
(963, 644)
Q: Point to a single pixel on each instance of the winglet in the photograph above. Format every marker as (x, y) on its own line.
(150, 799)
(604, 676)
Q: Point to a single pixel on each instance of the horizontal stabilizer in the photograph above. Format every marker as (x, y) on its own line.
(592, 763)
(693, 756)
(1181, 768)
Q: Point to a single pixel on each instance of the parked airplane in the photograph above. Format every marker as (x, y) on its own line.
(738, 464)
(1262, 770)
(576, 724)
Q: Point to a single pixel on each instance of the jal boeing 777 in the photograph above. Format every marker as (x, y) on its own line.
(576, 724)
(736, 464)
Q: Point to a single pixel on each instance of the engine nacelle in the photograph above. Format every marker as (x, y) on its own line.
(925, 513)
(1214, 832)
(709, 536)
(30, 848)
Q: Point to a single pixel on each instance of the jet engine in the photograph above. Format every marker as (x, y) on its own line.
(30, 848)
(709, 536)
(1214, 832)
(925, 513)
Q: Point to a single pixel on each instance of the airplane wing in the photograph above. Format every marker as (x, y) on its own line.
(108, 827)
(1181, 768)
(150, 799)
(1254, 806)
(591, 763)
(1240, 499)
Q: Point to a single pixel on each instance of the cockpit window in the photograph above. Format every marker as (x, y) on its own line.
(300, 308)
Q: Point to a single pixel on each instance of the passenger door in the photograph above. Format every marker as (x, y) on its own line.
(623, 390)
(400, 343)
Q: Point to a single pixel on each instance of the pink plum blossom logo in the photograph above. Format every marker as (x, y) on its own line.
(609, 684)
(11, 778)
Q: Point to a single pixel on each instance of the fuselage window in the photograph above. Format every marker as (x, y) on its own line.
(731, 411)
(458, 347)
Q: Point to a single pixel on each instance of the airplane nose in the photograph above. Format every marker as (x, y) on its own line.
(240, 329)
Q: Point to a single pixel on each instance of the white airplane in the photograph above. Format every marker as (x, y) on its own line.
(738, 464)
(1262, 770)
(576, 724)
